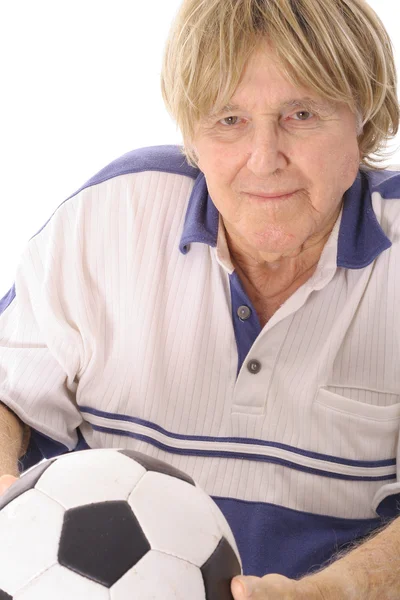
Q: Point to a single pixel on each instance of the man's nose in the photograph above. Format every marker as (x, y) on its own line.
(267, 153)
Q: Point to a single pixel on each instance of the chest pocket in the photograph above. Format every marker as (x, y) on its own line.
(360, 425)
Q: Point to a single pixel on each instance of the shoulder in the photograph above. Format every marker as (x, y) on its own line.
(161, 159)
(386, 183)
(384, 188)
(118, 184)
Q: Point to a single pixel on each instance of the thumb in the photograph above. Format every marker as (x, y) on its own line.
(5, 482)
(243, 586)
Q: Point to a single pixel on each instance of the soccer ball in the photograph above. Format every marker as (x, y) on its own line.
(113, 525)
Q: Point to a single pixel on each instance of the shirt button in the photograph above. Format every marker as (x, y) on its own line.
(243, 312)
(254, 366)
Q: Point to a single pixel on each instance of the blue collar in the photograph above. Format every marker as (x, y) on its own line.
(361, 238)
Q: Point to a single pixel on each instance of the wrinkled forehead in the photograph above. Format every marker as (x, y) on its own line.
(265, 67)
(265, 82)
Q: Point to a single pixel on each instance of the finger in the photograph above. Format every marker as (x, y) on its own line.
(5, 482)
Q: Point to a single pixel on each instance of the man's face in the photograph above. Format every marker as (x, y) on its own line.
(272, 141)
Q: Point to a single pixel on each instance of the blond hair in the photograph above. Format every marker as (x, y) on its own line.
(338, 48)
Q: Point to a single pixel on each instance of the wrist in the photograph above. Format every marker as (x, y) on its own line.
(333, 583)
(12, 438)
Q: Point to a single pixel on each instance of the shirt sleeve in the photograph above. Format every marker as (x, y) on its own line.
(42, 323)
(386, 502)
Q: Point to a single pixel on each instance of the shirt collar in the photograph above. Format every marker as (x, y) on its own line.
(202, 218)
(360, 239)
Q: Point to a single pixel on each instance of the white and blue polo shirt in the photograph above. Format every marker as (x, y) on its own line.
(127, 326)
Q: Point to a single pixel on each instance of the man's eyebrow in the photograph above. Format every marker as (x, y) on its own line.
(306, 101)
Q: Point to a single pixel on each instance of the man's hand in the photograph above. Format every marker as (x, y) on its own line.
(5, 482)
(274, 587)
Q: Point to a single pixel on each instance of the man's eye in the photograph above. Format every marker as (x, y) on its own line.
(229, 121)
(304, 115)
(300, 115)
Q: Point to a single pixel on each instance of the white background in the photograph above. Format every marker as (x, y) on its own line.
(79, 87)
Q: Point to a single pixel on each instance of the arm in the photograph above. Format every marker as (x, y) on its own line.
(369, 572)
(41, 343)
(14, 437)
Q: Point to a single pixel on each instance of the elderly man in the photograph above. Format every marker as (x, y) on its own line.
(233, 311)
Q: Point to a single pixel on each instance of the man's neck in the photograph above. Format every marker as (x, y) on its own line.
(270, 277)
(270, 284)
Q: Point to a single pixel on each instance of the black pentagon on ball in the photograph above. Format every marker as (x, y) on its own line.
(159, 466)
(5, 596)
(27, 482)
(219, 570)
(101, 541)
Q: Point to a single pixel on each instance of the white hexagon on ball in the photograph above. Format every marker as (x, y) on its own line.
(105, 476)
(178, 521)
(59, 583)
(223, 524)
(30, 531)
(159, 576)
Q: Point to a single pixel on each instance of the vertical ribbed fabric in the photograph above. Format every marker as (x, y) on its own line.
(114, 330)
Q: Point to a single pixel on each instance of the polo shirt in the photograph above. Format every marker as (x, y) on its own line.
(128, 326)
